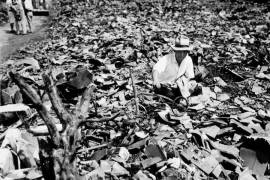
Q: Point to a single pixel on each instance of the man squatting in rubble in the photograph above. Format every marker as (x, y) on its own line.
(175, 69)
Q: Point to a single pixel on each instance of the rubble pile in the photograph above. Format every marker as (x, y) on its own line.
(221, 133)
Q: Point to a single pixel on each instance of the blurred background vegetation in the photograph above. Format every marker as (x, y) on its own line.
(3, 12)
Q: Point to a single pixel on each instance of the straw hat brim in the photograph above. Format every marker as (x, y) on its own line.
(181, 48)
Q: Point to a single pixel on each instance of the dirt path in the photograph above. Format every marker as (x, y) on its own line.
(9, 43)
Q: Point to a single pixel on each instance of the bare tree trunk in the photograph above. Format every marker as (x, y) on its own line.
(64, 145)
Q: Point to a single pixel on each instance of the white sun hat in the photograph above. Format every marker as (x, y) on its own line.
(182, 44)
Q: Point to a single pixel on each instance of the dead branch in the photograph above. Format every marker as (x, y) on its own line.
(29, 92)
(63, 115)
(93, 148)
(158, 95)
(99, 120)
(135, 92)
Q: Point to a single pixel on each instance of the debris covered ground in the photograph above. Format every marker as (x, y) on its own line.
(222, 133)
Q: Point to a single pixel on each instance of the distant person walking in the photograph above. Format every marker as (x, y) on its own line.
(17, 10)
(28, 9)
(11, 17)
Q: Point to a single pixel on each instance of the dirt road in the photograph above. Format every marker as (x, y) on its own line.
(9, 43)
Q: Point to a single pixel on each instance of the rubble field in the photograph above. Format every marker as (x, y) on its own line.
(127, 131)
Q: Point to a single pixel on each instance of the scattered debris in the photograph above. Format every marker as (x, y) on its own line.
(125, 130)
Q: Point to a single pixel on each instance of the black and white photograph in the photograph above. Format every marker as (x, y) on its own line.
(134, 89)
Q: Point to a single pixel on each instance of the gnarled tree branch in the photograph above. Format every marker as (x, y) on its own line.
(63, 115)
(29, 92)
(63, 154)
